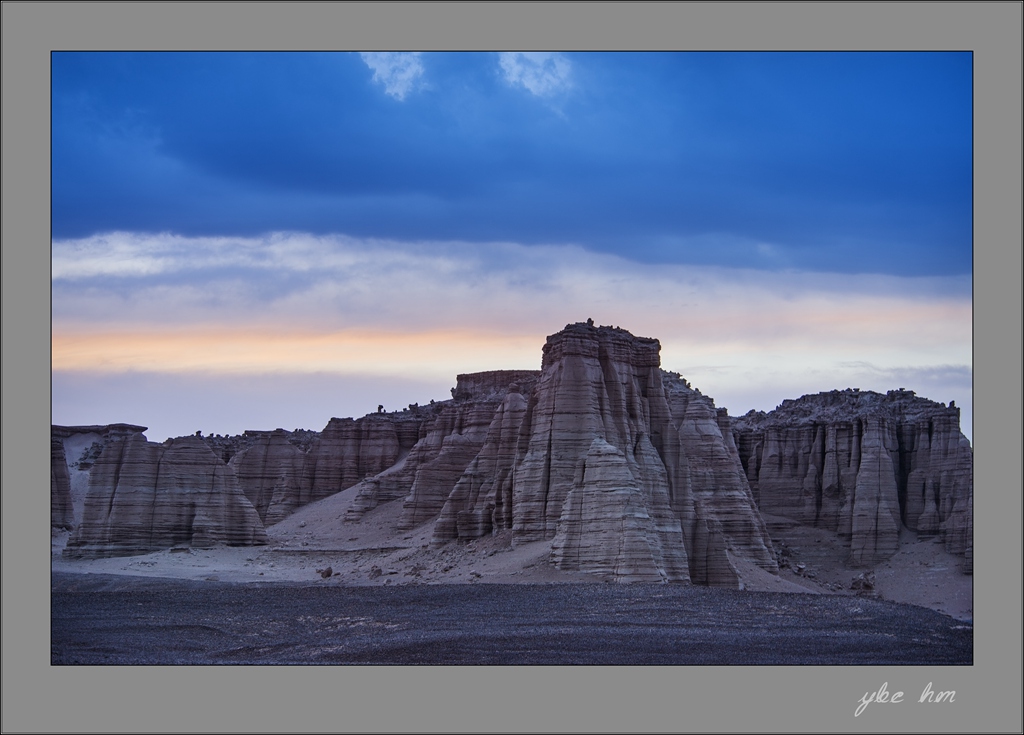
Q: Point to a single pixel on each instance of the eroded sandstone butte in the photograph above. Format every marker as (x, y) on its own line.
(145, 497)
(588, 461)
(863, 465)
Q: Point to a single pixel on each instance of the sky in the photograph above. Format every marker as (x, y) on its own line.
(261, 240)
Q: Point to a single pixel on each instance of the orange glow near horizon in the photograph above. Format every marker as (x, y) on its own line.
(255, 351)
(812, 331)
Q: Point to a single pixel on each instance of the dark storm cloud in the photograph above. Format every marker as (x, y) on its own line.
(856, 162)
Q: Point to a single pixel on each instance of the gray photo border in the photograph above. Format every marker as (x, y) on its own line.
(41, 698)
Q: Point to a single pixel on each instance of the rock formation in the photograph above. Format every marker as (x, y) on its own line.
(73, 449)
(598, 446)
(449, 440)
(863, 465)
(710, 491)
(61, 511)
(481, 501)
(606, 383)
(350, 450)
(144, 497)
(227, 447)
(627, 471)
(270, 473)
(441, 457)
(610, 525)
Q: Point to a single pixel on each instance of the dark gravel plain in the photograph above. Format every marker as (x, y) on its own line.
(107, 619)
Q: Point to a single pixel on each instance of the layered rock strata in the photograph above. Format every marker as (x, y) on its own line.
(227, 447)
(597, 460)
(449, 439)
(270, 473)
(481, 501)
(144, 497)
(610, 526)
(349, 451)
(709, 488)
(61, 510)
(492, 384)
(624, 469)
(442, 456)
(73, 450)
(863, 465)
(594, 384)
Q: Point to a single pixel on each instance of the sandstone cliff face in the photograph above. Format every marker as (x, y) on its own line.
(227, 447)
(493, 384)
(481, 501)
(610, 525)
(144, 497)
(593, 384)
(449, 439)
(671, 462)
(350, 450)
(442, 456)
(73, 450)
(709, 489)
(863, 465)
(270, 473)
(61, 511)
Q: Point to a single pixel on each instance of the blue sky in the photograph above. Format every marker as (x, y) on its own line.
(806, 216)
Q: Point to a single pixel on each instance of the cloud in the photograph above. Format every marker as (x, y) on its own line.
(293, 304)
(300, 283)
(543, 74)
(327, 281)
(397, 71)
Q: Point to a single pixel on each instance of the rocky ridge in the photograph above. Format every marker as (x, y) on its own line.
(622, 469)
(864, 465)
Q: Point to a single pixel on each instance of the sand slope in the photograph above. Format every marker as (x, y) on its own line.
(370, 552)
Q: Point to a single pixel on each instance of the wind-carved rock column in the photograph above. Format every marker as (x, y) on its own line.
(875, 511)
(593, 387)
(602, 383)
(602, 387)
(939, 495)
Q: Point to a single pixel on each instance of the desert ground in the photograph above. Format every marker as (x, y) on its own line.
(370, 553)
(327, 591)
(106, 619)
